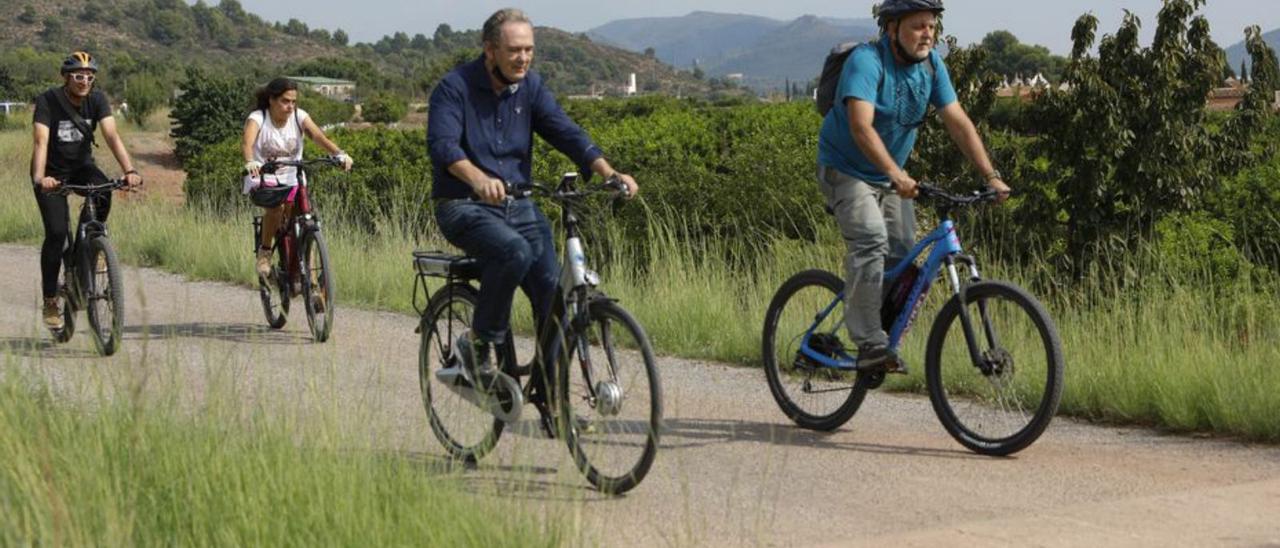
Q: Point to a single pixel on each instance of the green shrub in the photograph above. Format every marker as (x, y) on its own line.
(384, 108)
(209, 109)
(323, 110)
(145, 94)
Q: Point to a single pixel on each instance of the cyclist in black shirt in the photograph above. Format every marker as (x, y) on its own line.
(64, 123)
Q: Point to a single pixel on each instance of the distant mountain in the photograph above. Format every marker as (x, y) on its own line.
(767, 52)
(1237, 54)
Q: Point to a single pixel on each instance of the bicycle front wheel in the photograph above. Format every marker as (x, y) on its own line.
(466, 431)
(810, 394)
(610, 397)
(104, 297)
(274, 291)
(1003, 403)
(317, 286)
(65, 288)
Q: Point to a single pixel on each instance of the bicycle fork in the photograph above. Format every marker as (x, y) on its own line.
(960, 289)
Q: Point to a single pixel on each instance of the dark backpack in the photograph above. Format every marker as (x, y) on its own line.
(834, 66)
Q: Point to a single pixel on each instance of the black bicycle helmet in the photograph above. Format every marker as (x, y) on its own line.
(892, 9)
(79, 60)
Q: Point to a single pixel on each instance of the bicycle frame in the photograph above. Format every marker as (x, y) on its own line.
(301, 220)
(945, 249)
(74, 257)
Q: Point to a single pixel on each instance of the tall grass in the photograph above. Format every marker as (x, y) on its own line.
(1180, 350)
(132, 470)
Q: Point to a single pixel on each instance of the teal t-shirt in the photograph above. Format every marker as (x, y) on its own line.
(901, 95)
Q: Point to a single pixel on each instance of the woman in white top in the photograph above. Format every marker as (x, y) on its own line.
(274, 131)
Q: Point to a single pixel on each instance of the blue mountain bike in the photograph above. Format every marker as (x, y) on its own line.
(993, 362)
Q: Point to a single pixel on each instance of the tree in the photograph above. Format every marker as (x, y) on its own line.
(383, 108)
(296, 28)
(420, 42)
(340, 37)
(650, 52)
(1129, 142)
(53, 29)
(170, 27)
(233, 11)
(145, 95)
(7, 87)
(28, 15)
(1008, 57)
(443, 33)
(208, 110)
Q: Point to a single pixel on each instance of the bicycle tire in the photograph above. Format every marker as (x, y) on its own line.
(782, 362)
(484, 429)
(962, 392)
(594, 401)
(106, 334)
(274, 292)
(321, 323)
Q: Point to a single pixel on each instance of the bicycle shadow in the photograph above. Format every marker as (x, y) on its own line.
(519, 481)
(225, 332)
(694, 433)
(43, 347)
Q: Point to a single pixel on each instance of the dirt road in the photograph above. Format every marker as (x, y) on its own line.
(731, 470)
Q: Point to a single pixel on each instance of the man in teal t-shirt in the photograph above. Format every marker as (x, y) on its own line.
(884, 91)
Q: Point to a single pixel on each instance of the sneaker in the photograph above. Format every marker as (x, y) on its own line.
(52, 313)
(317, 303)
(473, 356)
(264, 263)
(880, 356)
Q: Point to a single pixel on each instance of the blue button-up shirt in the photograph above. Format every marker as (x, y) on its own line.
(467, 120)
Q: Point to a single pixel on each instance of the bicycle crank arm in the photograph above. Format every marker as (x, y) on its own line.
(504, 400)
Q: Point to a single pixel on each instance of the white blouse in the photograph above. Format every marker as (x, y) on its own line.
(277, 143)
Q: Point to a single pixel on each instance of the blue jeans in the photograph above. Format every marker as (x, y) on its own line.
(513, 243)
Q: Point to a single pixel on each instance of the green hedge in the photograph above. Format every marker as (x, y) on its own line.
(745, 174)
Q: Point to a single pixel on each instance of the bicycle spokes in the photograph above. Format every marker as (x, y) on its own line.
(1000, 401)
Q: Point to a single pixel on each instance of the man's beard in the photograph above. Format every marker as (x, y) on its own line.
(908, 56)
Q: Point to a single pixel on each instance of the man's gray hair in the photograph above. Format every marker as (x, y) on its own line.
(492, 32)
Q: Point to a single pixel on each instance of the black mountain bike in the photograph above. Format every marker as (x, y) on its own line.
(593, 379)
(302, 265)
(91, 279)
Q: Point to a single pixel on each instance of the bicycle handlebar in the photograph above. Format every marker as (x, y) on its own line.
(564, 192)
(933, 191)
(272, 165)
(110, 185)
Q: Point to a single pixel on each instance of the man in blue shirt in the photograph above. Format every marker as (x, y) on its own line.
(884, 92)
(480, 127)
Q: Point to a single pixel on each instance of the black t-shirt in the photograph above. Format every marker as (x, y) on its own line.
(69, 148)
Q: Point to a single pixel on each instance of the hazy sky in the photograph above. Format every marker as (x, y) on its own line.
(1046, 22)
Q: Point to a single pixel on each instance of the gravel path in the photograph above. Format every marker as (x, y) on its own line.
(731, 470)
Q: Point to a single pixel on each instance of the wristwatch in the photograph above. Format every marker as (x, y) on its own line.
(995, 174)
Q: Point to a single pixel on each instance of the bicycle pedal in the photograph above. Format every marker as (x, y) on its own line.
(897, 366)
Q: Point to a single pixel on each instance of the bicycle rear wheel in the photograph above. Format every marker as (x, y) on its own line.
(610, 397)
(104, 296)
(1001, 405)
(811, 395)
(317, 286)
(274, 291)
(466, 431)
